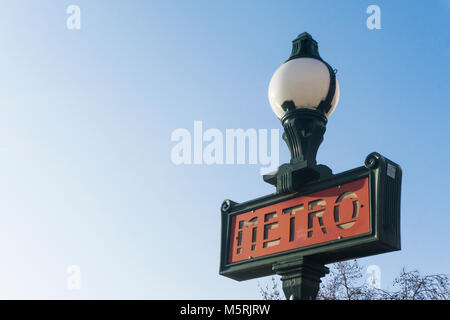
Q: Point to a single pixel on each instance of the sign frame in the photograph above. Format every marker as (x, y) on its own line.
(384, 178)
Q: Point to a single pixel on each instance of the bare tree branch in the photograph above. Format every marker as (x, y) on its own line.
(345, 282)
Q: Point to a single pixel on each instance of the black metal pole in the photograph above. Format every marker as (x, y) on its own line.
(300, 278)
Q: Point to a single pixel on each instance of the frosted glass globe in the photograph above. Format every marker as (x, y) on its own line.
(305, 81)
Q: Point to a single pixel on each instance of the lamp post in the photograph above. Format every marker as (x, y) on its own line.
(315, 217)
(303, 93)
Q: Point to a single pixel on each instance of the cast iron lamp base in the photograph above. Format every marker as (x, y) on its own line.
(303, 133)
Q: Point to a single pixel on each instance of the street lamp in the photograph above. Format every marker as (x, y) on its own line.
(303, 93)
(315, 217)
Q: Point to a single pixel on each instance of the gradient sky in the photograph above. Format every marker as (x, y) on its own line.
(86, 117)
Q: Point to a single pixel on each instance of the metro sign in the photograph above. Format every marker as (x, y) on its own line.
(334, 213)
(349, 215)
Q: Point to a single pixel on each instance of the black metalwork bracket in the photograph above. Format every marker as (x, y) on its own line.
(303, 134)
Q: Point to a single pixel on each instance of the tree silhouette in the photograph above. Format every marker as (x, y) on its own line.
(344, 282)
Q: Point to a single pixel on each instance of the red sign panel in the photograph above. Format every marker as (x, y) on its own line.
(335, 213)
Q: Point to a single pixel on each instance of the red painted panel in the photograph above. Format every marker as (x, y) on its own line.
(330, 214)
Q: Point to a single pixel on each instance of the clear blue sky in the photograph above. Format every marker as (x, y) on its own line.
(86, 117)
